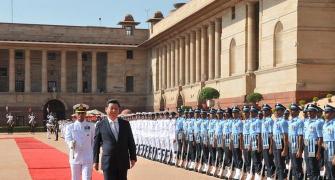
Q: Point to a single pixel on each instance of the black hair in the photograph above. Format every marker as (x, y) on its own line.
(113, 101)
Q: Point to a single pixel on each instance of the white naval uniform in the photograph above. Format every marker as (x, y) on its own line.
(81, 157)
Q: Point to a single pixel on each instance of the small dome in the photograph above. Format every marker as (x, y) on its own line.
(158, 15)
(129, 17)
(178, 5)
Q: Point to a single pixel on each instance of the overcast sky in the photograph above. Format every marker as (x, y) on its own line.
(82, 12)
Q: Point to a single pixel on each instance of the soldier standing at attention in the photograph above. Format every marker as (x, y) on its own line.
(329, 140)
(295, 134)
(79, 137)
(237, 142)
(256, 141)
(246, 139)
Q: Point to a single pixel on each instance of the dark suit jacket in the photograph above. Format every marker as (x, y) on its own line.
(115, 154)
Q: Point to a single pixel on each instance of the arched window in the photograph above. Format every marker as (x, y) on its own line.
(232, 57)
(278, 44)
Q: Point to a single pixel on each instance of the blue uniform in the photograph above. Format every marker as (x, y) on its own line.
(237, 130)
(295, 129)
(246, 134)
(267, 127)
(197, 130)
(204, 138)
(211, 131)
(328, 132)
(219, 132)
(179, 127)
(190, 127)
(226, 130)
(255, 130)
(280, 128)
(185, 128)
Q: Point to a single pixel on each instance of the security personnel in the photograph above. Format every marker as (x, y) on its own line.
(226, 131)
(219, 140)
(246, 139)
(32, 122)
(255, 141)
(204, 141)
(329, 140)
(321, 122)
(280, 141)
(313, 140)
(79, 137)
(179, 135)
(237, 142)
(10, 123)
(212, 144)
(197, 137)
(295, 138)
(191, 144)
(267, 127)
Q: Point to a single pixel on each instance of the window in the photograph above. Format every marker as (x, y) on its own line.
(129, 30)
(130, 84)
(52, 86)
(52, 56)
(84, 57)
(3, 72)
(85, 86)
(130, 54)
(19, 86)
(19, 55)
(233, 15)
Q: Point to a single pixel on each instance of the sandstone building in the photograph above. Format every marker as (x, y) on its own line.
(283, 49)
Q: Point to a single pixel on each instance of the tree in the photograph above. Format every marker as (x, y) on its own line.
(208, 93)
(254, 97)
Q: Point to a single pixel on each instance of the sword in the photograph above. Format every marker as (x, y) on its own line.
(201, 155)
(249, 176)
(216, 163)
(187, 153)
(73, 144)
(220, 175)
(208, 162)
(289, 169)
(261, 173)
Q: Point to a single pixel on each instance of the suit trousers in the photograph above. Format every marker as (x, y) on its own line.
(81, 171)
(115, 174)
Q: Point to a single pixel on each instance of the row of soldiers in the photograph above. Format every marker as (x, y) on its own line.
(250, 142)
(11, 122)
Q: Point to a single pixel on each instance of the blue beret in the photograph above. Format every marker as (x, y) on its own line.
(294, 107)
(212, 111)
(279, 106)
(286, 112)
(246, 108)
(190, 111)
(203, 111)
(228, 110)
(197, 110)
(329, 108)
(236, 109)
(219, 111)
(253, 109)
(266, 107)
(312, 107)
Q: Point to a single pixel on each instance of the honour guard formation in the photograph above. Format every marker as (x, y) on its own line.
(245, 142)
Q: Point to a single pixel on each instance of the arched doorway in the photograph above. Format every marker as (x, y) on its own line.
(180, 101)
(162, 104)
(54, 106)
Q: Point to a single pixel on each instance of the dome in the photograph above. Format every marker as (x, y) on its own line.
(129, 18)
(158, 15)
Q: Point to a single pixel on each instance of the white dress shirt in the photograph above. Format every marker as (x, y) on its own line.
(114, 124)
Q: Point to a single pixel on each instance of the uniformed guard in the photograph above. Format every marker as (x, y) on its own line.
(255, 143)
(227, 129)
(260, 115)
(180, 136)
(32, 122)
(185, 142)
(321, 122)
(295, 134)
(79, 137)
(50, 124)
(313, 140)
(267, 127)
(204, 142)
(246, 140)
(280, 141)
(212, 143)
(237, 142)
(197, 136)
(173, 139)
(10, 123)
(165, 136)
(329, 140)
(219, 143)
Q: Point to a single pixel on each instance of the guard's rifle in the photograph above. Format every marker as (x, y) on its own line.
(187, 155)
(249, 176)
(261, 173)
(182, 152)
(220, 174)
(200, 162)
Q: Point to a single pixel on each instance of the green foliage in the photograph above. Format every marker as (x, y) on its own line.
(302, 102)
(209, 93)
(315, 99)
(185, 107)
(329, 96)
(3, 129)
(254, 97)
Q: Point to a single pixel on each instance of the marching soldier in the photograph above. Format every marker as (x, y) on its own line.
(191, 145)
(10, 123)
(295, 134)
(219, 141)
(237, 142)
(329, 140)
(212, 143)
(32, 122)
(255, 142)
(280, 141)
(246, 140)
(227, 130)
(267, 127)
(313, 140)
(197, 135)
(204, 142)
(79, 137)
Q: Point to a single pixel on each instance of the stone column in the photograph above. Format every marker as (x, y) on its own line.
(164, 66)
(79, 72)
(176, 55)
(63, 71)
(204, 53)
(11, 70)
(251, 42)
(94, 72)
(109, 72)
(198, 56)
(211, 53)
(45, 71)
(181, 61)
(27, 65)
(160, 66)
(168, 65)
(187, 59)
(172, 56)
(192, 57)
(218, 32)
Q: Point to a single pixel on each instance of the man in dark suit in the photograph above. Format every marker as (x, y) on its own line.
(118, 146)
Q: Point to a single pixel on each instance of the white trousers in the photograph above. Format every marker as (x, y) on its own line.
(81, 171)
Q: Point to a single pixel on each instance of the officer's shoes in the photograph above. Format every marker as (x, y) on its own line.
(213, 170)
(237, 174)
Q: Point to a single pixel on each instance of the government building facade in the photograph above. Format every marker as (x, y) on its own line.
(283, 49)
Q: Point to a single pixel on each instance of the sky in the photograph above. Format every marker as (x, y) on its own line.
(82, 12)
